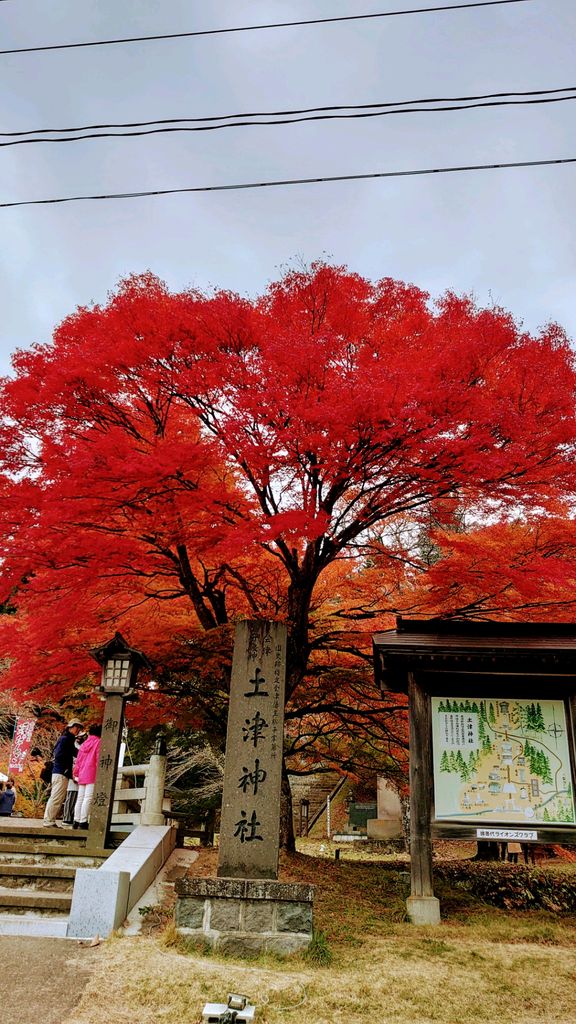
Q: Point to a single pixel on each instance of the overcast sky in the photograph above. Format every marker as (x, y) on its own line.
(507, 236)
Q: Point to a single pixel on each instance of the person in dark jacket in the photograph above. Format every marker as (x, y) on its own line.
(63, 757)
(7, 799)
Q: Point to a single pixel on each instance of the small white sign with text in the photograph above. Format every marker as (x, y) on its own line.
(520, 835)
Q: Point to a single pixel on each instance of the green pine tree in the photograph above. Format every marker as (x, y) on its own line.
(462, 767)
(491, 714)
(545, 769)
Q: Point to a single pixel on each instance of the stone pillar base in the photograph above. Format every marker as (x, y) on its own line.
(423, 909)
(245, 916)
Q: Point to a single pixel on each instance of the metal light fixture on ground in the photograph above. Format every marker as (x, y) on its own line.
(237, 1010)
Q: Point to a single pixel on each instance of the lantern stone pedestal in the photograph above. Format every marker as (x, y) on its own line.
(245, 916)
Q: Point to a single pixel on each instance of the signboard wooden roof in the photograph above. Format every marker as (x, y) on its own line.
(490, 648)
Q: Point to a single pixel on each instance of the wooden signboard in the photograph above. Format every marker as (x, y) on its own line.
(492, 712)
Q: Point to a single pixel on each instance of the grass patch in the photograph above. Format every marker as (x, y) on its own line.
(366, 963)
(319, 952)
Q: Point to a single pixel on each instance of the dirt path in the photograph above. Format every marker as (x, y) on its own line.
(42, 980)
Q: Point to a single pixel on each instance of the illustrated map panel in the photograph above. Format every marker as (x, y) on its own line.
(501, 760)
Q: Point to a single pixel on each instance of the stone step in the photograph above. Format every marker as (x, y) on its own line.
(39, 926)
(39, 877)
(27, 833)
(37, 870)
(54, 849)
(31, 899)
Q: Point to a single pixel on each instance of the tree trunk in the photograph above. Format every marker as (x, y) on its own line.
(287, 838)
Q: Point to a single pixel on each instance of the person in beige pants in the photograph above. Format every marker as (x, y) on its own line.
(63, 757)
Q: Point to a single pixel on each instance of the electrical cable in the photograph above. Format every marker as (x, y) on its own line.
(290, 181)
(185, 126)
(287, 113)
(257, 28)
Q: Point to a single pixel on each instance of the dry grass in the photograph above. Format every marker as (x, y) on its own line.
(480, 965)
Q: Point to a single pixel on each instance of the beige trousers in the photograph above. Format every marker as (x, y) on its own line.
(57, 797)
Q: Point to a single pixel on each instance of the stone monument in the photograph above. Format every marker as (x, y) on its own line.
(246, 909)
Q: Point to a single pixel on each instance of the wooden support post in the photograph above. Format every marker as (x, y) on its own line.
(423, 907)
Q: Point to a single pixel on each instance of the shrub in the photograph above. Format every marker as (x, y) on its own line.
(319, 952)
(512, 886)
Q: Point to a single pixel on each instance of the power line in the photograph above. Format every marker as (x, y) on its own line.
(284, 121)
(291, 113)
(257, 28)
(292, 181)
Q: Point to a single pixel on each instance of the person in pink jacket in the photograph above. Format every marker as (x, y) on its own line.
(85, 770)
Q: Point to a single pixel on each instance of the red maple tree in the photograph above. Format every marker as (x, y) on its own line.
(171, 462)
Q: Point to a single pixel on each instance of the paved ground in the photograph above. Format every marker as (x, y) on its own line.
(41, 980)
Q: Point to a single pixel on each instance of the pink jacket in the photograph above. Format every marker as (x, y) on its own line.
(87, 761)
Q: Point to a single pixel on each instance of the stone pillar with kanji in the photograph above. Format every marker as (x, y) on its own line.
(104, 788)
(250, 825)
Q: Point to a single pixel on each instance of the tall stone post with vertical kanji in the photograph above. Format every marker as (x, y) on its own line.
(247, 909)
(250, 827)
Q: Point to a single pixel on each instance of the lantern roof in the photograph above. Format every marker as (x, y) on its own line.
(118, 646)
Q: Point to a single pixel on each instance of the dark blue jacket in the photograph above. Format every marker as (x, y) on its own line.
(64, 754)
(7, 798)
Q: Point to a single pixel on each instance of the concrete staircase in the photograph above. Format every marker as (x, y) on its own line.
(37, 870)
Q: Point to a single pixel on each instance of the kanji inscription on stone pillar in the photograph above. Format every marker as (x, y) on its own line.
(250, 827)
(105, 785)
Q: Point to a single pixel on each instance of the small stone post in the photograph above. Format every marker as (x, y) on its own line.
(152, 813)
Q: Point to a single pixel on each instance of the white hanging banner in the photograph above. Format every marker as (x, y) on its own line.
(21, 743)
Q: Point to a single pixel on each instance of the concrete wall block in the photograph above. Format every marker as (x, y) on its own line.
(231, 888)
(287, 943)
(224, 915)
(99, 902)
(294, 917)
(240, 944)
(258, 916)
(147, 836)
(190, 912)
(264, 889)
